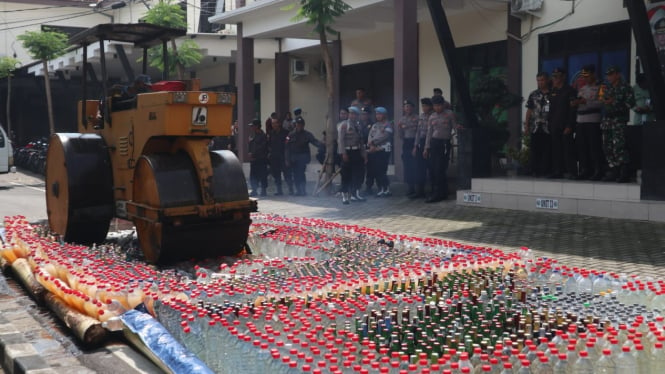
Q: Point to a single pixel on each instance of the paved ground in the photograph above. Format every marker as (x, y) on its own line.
(634, 247)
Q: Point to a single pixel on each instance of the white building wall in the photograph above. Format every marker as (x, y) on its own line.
(368, 47)
(468, 28)
(215, 75)
(310, 94)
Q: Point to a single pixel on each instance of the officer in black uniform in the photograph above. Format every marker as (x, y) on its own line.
(276, 144)
(258, 159)
(298, 154)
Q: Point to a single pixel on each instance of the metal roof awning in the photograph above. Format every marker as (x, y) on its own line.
(140, 34)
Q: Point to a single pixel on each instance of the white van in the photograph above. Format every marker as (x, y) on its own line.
(6, 152)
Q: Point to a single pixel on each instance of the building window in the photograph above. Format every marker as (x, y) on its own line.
(601, 45)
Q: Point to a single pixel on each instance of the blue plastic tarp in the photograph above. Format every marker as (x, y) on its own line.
(162, 345)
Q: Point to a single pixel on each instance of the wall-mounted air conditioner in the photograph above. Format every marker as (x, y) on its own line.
(299, 67)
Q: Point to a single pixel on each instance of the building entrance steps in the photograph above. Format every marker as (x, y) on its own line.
(598, 199)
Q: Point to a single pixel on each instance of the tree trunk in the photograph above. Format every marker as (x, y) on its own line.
(331, 131)
(49, 100)
(179, 68)
(9, 116)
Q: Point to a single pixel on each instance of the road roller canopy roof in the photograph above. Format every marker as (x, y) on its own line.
(140, 34)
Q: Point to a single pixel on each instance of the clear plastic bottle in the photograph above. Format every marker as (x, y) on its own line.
(561, 367)
(658, 358)
(606, 364)
(545, 366)
(507, 368)
(643, 359)
(584, 284)
(583, 365)
(626, 362)
(525, 367)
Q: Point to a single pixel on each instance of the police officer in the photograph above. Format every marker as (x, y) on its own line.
(379, 146)
(276, 148)
(366, 121)
(535, 124)
(437, 147)
(618, 98)
(258, 158)
(588, 136)
(354, 157)
(421, 164)
(407, 127)
(298, 154)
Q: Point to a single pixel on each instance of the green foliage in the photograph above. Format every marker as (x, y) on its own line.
(490, 97)
(188, 54)
(321, 13)
(44, 45)
(523, 154)
(168, 14)
(7, 66)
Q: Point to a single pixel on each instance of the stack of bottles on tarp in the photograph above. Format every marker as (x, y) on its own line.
(318, 296)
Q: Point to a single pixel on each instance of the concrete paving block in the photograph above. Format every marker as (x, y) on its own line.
(25, 364)
(7, 328)
(629, 210)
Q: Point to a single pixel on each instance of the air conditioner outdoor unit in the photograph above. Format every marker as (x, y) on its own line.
(299, 68)
(522, 7)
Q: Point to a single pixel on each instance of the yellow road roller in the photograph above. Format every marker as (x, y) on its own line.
(145, 158)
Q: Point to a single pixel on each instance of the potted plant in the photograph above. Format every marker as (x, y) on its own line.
(491, 98)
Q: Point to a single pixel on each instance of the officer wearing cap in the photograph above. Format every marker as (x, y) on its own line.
(298, 153)
(354, 157)
(561, 122)
(438, 147)
(379, 146)
(588, 136)
(297, 113)
(618, 98)
(407, 127)
(421, 164)
(258, 159)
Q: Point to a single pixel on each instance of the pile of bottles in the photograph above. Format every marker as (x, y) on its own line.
(317, 296)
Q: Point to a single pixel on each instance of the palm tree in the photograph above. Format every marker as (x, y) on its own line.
(168, 14)
(7, 66)
(322, 14)
(44, 46)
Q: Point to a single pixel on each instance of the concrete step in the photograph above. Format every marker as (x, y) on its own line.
(598, 199)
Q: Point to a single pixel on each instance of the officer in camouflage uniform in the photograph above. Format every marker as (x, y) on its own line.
(406, 129)
(618, 98)
(352, 150)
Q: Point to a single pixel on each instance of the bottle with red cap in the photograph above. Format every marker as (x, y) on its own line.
(583, 365)
(606, 364)
(626, 362)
